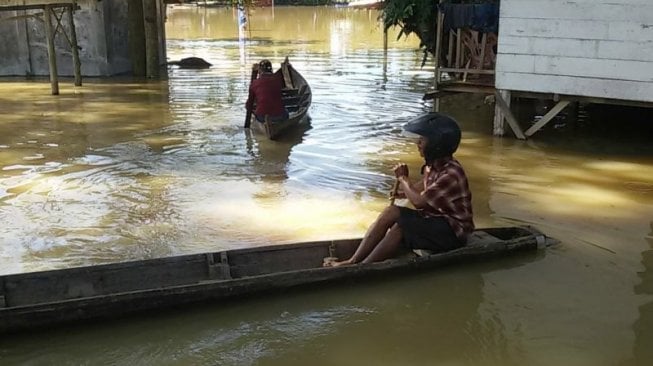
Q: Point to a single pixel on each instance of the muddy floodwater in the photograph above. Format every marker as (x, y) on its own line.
(121, 169)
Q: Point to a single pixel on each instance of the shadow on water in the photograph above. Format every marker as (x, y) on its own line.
(588, 127)
(422, 316)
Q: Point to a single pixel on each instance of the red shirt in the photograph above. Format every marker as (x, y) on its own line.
(265, 92)
(447, 193)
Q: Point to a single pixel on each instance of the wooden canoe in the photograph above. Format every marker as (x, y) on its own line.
(38, 299)
(297, 97)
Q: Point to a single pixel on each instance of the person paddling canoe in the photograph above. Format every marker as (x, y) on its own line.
(266, 93)
(442, 217)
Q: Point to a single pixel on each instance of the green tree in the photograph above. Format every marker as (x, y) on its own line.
(418, 17)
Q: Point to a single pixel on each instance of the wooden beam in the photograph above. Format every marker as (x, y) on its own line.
(467, 70)
(37, 6)
(52, 56)
(547, 117)
(75, 48)
(507, 114)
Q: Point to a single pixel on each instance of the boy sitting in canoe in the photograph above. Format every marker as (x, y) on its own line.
(265, 93)
(443, 215)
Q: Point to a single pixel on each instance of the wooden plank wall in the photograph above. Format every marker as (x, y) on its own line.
(592, 48)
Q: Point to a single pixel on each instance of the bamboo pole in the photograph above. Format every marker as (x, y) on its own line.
(73, 45)
(52, 56)
(438, 46)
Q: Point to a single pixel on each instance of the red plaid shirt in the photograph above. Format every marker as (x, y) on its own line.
(447, 193)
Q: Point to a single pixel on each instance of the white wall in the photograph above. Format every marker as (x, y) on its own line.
(594, 48)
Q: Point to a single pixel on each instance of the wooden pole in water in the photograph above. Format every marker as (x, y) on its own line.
(385, 41)
(73, 45)
(136, 36)
(52, 56)
(248, 115)
(150, 15)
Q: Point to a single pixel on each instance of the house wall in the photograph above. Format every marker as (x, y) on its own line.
(592, 48)
(102, 35)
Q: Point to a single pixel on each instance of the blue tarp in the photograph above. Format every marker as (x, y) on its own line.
(479, 17)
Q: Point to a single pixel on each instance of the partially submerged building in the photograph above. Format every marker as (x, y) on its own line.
(596, 51)
(81, 37)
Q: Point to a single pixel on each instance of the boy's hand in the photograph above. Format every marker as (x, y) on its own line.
(401, 170)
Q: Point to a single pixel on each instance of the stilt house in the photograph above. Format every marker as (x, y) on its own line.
(596, 51)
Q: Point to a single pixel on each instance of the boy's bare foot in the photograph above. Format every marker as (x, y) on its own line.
(334, 262)
(326, 262)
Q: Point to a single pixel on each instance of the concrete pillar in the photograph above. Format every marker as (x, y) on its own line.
(52, 56)
(136, 34)
(150, 16)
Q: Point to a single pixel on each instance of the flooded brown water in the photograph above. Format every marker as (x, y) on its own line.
(119, 170)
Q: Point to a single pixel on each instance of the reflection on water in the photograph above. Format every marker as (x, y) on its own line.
(643, 328)
(123, 170)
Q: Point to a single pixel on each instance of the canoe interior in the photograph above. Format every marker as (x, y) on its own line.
(297, 98)
(103, 291)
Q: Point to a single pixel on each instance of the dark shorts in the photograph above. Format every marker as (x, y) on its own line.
(431, 233)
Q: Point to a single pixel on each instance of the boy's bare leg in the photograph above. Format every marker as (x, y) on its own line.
(387, 247)
(374, 235)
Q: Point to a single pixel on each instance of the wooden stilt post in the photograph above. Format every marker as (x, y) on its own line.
(136, 37)
(504, 107)
(499, 125)
(150, 15)
(73, 45)
(438, 45)
(52, 56)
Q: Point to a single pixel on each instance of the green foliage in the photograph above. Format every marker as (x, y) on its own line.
(413, 17)
(418, 17)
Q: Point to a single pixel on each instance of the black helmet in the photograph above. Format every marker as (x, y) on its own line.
(265, 66)
(442, 132)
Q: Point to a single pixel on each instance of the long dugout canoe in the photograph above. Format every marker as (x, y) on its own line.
(38, 299)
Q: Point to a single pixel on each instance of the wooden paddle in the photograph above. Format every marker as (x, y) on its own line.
(393, 193)
(248, 116)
